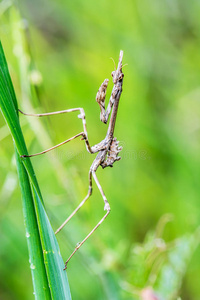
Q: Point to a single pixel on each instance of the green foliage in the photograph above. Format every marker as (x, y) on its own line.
(157, 266)
(49, 280)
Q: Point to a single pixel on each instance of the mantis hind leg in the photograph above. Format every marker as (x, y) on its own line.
(106, 207)
(80, 205)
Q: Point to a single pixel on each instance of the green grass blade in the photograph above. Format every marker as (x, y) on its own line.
(52, 262)
(52, 257)
(5, 75)
(38, 271)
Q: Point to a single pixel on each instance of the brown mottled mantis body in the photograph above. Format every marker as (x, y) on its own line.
(107, 149)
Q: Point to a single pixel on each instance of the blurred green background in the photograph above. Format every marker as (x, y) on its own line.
(58, 54)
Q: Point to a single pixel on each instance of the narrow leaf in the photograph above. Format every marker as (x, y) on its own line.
(51, 262)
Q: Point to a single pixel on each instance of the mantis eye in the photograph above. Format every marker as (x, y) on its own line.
(121, 76)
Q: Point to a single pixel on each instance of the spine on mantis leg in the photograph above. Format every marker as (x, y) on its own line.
(100, 98)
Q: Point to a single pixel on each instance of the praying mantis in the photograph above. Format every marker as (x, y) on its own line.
(108, 149)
